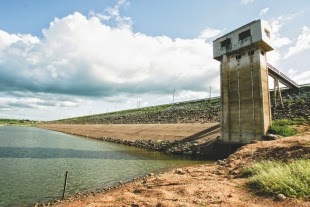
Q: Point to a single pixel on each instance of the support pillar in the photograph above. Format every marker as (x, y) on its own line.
(245, 101)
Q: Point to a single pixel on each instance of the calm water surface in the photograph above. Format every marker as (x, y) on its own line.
(33, 163)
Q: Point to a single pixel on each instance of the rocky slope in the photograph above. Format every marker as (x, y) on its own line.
(296, 105)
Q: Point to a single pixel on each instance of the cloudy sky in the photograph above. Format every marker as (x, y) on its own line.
(61, 59)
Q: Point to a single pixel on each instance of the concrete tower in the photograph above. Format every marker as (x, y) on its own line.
(245, 101)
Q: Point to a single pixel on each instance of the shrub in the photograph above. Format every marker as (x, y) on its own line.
(273, 177)
(283, 130)
(283, 127)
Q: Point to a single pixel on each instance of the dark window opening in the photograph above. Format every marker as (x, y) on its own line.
(262, 52)
(251, 52)
(245, 34)
(226, 43)
(267, 33)
(238, 57)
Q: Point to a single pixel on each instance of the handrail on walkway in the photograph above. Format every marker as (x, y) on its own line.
(275, 73)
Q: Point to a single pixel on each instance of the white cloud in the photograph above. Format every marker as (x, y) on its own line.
(273, 57)
(83, 56)
(31, 102)
(276, 24)
(278, 40)
(263, 11)
(9, 39)
(302, 44)
(113, 17)
(209, 33)
(100, 60)
(246, 1)
(302, 77)
(102, 17)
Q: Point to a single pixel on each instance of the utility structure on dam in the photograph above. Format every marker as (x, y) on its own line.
(245, 100)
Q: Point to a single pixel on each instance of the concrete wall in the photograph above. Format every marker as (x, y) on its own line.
(245, 97)
(245, 102)
(259, 34)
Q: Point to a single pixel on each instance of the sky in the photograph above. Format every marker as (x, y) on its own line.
(61, 59)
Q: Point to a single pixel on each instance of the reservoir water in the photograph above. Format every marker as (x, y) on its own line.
(33, 163)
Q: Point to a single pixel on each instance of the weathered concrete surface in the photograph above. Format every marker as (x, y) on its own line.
(186, 139)
(246, 113)
(245, 102)
(136, 131)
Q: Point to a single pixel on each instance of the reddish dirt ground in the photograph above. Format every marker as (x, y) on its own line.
(217, 184)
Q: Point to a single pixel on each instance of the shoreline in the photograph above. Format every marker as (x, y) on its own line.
(217, 184)
(93, 192)
(104, 190)
(192, 140)
(150, 145)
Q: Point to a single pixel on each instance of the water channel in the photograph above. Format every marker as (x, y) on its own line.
(33, 163)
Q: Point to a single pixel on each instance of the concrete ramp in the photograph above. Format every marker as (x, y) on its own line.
(197, 132)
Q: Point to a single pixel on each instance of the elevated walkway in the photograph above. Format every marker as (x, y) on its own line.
(278, 75)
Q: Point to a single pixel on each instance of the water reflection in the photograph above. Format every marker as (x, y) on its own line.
(32, 162)
(51, 153)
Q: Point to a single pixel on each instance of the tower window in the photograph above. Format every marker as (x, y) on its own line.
(226, 43)
(251, 52)
(245, 34)
(267, 33)
(262, 52)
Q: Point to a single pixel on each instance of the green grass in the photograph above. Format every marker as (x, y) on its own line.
(284, 122)
(273, 177)
(284, 131)
(285, 127)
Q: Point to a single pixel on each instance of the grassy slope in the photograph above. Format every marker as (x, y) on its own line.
(274, 177)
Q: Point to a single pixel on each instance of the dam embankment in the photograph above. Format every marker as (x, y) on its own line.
(181, 128)
(186, 139)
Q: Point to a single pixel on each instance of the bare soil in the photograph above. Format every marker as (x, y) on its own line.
(217, 184)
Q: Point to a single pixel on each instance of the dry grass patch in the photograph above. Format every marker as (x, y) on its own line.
(273, 177)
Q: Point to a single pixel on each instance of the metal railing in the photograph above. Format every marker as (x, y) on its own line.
(275, 73)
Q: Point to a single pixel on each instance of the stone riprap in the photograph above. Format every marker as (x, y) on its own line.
(296, 105)
(170, 147)
(201, 111)
(185, 139)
